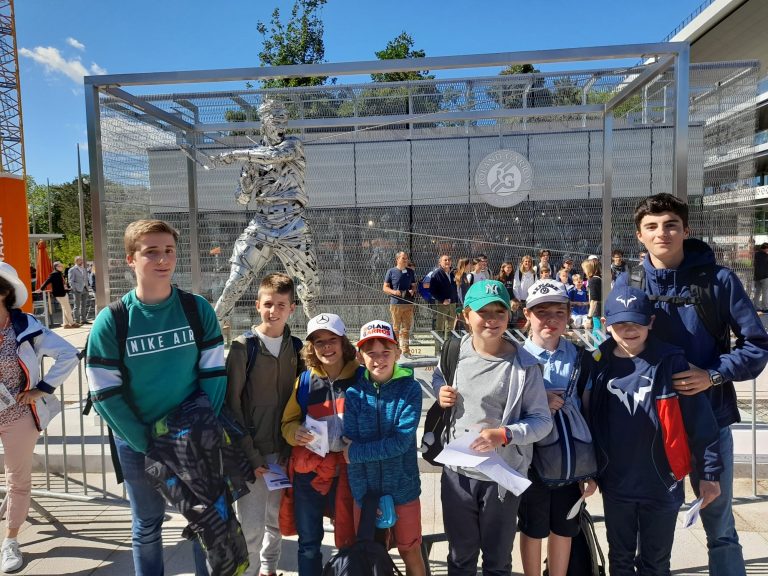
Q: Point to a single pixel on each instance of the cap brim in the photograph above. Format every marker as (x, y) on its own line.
(479, 303)
(326, 328)
(375, 337)
(628, 316)
(549, 299)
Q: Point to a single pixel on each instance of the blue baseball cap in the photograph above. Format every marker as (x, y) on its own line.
(486, 292)
(628, 304)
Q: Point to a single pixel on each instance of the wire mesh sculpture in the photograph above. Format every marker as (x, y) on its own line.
(273, 177)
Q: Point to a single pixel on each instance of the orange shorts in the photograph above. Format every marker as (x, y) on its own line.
(407, 529)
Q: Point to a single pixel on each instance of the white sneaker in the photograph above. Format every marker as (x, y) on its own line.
(11, 557)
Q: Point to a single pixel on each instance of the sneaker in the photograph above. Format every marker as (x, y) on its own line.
(11, 557)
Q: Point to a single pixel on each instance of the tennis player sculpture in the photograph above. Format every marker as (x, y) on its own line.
(273, 177)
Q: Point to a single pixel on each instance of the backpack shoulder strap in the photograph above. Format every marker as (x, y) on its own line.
(449, 358)
(298, 344)
(302, 392)
(189, 304)
(120, 316)
(252, 346)
(576, 372)
(706, 307)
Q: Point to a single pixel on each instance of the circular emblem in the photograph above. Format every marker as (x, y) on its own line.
(323, 319)
(503, 178)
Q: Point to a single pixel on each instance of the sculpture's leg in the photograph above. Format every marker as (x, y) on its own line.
(247, 260)
(298, 257)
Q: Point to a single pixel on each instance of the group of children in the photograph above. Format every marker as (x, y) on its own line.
(370, 415)
(650, 426)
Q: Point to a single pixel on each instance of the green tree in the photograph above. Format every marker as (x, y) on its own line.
(401, 47)
(383, 100)
(510, 93)
(299, 41)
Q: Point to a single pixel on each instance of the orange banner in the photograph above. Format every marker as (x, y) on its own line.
(14, 228)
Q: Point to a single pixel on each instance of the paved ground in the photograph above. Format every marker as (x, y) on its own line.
(87, 537)
(64, 537)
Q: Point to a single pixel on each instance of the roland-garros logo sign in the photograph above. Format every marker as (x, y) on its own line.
(503, 178)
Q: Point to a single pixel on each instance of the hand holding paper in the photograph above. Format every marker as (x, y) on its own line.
(319, 429)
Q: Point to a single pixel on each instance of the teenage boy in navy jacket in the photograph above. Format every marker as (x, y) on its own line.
(675, 262)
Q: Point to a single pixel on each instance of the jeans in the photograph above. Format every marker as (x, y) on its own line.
(761, 294)
(624, 521)
(81, 305)
(147, 513)
(725, 555)
(309, 505)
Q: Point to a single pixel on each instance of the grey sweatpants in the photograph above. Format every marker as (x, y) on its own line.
(475, 519)
(258, 512)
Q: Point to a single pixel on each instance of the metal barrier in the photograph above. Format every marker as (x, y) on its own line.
(83, 471)
(78, 472)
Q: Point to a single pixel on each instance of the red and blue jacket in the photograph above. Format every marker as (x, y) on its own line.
(685, 425)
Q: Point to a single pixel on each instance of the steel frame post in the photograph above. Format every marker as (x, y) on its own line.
(680, 118)
(194, 248)
(607, 235)
(98, 196)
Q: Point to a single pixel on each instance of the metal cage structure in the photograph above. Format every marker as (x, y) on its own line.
(394, 165)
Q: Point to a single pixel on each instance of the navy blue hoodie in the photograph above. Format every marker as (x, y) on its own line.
(680, 325)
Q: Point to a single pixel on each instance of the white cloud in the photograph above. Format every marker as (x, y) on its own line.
(75, 43)
(54, 63)
(97, 70)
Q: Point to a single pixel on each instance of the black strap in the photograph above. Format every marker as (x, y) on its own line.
(703, 279)
(189, 305)
(449, 358)
(575, 372)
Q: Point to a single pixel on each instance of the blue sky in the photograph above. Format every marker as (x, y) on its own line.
(61, 40)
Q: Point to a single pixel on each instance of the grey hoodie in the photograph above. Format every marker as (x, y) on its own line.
(490, 387)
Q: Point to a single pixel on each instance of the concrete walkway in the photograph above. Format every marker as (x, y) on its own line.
(64, 537)
(78, 537)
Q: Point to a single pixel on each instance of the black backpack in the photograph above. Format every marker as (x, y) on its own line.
(438, 419)
(120, 316)
(365, 557)
(586, 555)
(704, 278)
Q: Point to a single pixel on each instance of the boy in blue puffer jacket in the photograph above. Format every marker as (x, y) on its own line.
(381, 415)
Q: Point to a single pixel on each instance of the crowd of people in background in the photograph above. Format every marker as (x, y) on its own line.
(70, 285)
(444, 287)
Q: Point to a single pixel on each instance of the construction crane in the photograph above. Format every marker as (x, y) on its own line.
(11, 129)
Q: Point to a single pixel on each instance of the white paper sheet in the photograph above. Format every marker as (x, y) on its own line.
(692, 515)
(574, 509)
(503, 474)
(276, 478)
(458, 452)
(319, 429)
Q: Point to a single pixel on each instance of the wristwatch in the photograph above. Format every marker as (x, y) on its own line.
(715, 378)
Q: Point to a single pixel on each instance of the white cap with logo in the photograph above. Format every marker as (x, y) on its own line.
(546, 291)
(330, 322)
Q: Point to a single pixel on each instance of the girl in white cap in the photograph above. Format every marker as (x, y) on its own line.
(23, 343)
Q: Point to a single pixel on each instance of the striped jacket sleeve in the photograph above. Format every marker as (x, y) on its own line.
(105, 383)
(211, 369)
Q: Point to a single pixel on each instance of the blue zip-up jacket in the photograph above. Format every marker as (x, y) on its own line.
(684, 425)
(381, 421)
(681, 326)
